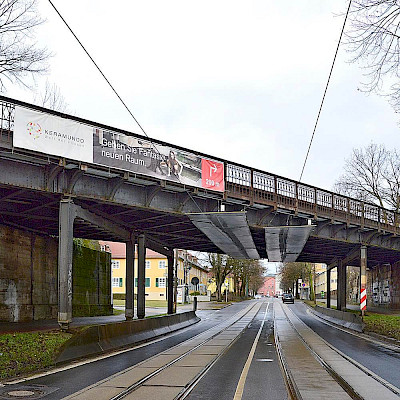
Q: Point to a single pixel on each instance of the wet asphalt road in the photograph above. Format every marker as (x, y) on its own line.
(264, 379)
(378, 359)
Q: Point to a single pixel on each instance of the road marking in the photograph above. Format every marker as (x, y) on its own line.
(243, 376)
(265, 359)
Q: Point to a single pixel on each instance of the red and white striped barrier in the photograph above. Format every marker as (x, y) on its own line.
(363, 304)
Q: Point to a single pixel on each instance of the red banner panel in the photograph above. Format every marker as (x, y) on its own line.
(212, 175)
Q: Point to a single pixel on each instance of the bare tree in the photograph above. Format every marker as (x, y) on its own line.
(292, 271)
(374, 38)
(52, 98)
(219, 270)
(19, 54)
(247, 274)
(372, 174)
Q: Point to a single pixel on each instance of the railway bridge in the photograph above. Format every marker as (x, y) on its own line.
(66, 177)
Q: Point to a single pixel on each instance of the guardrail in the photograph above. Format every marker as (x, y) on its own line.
(261, 187)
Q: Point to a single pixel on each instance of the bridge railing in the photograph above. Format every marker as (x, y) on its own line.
(6, 122)
(260, 187)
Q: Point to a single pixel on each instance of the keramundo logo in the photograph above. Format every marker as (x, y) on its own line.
(36, 131)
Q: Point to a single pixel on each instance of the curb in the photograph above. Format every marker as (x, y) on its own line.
(389, 342)
(98, 339)
(341, 318)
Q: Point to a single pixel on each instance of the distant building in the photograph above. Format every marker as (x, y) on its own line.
(269, 286)
(320, 281)
(156, 271)
(228, 284)
(278, 290)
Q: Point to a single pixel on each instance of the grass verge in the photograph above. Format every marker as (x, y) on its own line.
(25, 352)
(149, 303)
(382, 324)
(386, 325)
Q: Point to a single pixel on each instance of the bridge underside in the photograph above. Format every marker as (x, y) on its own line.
(38, 212)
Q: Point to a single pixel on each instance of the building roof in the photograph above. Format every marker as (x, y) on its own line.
(118, 250)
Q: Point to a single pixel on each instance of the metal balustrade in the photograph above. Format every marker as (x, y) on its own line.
(324, 199)
(263, 182)
(257, 186)
(7, 112)
(239, 175)
(286, 188)
(306, 193)
(371, 212)
(355, 208)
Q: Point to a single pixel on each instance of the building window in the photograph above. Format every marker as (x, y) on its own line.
(103, 247)
(148, 265)
(162, 264)
(161, 282)
(117, 282)
(147, 284)
(115, 264)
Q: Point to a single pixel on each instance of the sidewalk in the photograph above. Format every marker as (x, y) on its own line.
(45, 325)
(377, 310)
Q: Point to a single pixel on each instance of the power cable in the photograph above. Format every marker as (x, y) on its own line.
(98, 68)
(116, 93)
(326, 89)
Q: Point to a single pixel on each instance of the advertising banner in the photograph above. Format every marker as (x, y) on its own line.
(46, 133)
(164, 162)
(49, 134)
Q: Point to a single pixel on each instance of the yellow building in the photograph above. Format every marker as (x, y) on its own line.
(156, 271)
(189, 267)
(227, 285)
(320, 280)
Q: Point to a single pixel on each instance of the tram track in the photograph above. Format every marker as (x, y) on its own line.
(304, 334)
(216, 340)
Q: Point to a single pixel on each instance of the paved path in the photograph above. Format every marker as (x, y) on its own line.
(43, 325)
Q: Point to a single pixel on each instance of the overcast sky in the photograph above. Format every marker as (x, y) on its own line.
(240, 80)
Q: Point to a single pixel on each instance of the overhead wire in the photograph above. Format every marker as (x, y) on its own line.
(325, 91)
(115, 91)
(98, 68)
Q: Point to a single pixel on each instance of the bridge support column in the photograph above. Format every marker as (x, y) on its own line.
(363, 278)
(328, 287)
(170, 281)
(65, 248)
(141, 288)
(130, 278)
(341, 285)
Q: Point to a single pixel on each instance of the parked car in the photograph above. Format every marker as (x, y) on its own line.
(288, 298)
